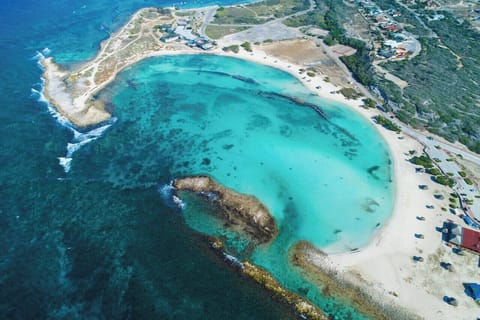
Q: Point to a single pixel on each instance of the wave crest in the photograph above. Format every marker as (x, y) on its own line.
(80, 139)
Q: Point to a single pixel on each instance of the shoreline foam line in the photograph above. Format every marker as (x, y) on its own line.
(80, 139)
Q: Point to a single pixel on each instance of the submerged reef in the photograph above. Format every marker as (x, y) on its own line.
(346, 286)
(241, 212)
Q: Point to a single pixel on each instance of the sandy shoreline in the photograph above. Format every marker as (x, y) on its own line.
(385, 266)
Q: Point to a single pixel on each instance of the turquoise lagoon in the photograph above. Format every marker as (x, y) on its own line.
(100, 243)
(327, 181)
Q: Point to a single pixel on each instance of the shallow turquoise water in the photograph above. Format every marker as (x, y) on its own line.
(99, 242)
(310, 172)
(196, 116)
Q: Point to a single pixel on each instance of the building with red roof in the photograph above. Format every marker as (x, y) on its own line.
(463, 237)
(471, 239)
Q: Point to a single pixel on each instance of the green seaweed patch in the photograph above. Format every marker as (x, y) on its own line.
(371, 171)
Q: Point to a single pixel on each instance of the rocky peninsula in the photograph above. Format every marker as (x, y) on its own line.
(350, 287)
(241, 212)
(301, 306)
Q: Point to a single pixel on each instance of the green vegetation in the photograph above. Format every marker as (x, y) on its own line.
(369, 103)
(247, 46)
(386, 123)
(468, 181)
(314, 18)
(237, 15)
(433, 171)
(259, 12)
(360, 63)
(446, 106)
(350, 93)
(310, 73)
(423, 161)
(233, 48)
(444, 180)
(216, 32)
(278, 8)
(462, 174)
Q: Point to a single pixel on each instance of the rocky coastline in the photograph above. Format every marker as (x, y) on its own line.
(346, 286)
(240, 212)
(301, 306)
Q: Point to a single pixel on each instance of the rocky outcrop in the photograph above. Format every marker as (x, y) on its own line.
(303, 308)
(344, 286)
(241, 212)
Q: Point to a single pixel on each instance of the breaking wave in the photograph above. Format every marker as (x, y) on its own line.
(167, 193)
(80, 139)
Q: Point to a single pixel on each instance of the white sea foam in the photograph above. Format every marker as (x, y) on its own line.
(65, 163)
(178, 202)
(233, 260)
(167, 193)
(79, 138)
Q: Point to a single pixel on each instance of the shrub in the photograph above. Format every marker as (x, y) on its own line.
(247, 46)
(423, 161)
(445, 180)
(386, 123)
(234, 48)
(369, 103)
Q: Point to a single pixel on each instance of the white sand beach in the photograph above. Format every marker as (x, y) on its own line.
(385, 267)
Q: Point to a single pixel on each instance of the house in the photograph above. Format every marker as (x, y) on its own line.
(392, 28)
(471, 239)
(206, 46)
(463, 237)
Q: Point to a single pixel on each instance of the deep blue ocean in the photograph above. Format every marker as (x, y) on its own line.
(99, 242)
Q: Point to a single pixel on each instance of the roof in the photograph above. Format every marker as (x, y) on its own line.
(471, 239)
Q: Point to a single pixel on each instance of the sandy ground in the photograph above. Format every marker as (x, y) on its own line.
(306, 53)
(386, 264)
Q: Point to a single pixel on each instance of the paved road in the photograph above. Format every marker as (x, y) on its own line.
(443, 151)
(209, 13)
(425, 139)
